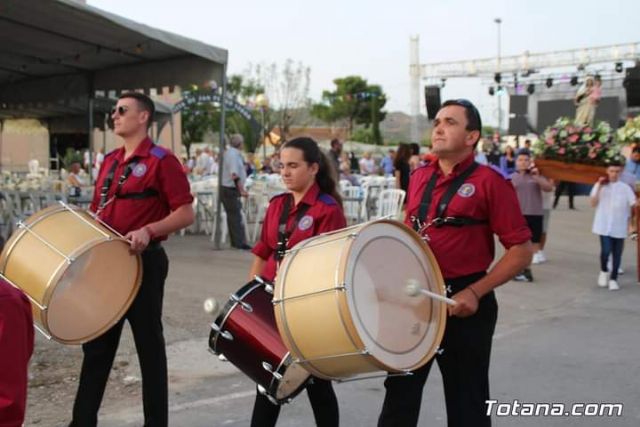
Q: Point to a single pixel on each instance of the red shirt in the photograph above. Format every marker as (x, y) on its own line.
(485, 195)
(16, 347)
(323, 215)
(157, 169)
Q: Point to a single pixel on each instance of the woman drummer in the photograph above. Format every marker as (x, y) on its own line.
(311, 206)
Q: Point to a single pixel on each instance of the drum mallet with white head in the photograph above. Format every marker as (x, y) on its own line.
(212, 306)
(414, 289)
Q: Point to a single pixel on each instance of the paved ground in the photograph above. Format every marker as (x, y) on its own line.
(559, 340)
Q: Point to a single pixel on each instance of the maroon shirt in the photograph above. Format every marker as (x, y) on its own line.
(485, 195)
(323, 215)
(158, 169)
(16, 347)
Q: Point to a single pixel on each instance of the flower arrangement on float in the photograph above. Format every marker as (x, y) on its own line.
(567, 151)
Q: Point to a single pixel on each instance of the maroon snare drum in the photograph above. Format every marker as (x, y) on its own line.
(245, 333)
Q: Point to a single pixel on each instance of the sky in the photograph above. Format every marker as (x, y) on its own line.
(370, 38)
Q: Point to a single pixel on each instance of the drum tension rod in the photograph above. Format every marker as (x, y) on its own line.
(322, 291)
(364, 352)
(368, 377)
(245, 306)
(267, 367)
(46, 242)
(224, 334)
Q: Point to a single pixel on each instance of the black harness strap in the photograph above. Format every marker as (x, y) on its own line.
(283, 233)
(104, 192)
(439, 219)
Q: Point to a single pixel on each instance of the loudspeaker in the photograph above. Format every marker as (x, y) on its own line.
(518, 125)
(518, 104)
(631, 84)
(432, 100)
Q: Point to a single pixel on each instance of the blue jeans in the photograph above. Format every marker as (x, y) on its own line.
(611, 246)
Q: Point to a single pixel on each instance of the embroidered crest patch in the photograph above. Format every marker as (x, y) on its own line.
(139, 170)
(305, 223)
(466, 190)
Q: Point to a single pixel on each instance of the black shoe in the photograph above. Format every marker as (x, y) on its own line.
(244, 247)
(527, 273)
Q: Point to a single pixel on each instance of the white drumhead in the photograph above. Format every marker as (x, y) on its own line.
(398, 330)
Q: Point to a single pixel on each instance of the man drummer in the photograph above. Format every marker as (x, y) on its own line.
(311, 206)
(143, 193)
(458, 206)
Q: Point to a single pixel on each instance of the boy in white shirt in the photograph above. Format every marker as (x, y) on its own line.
(613, 200)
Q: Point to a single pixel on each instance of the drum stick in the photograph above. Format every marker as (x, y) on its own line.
(413, 289)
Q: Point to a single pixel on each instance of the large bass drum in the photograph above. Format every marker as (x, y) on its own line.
(78, 273)
(341, 304)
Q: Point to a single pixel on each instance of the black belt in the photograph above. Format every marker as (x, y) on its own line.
(456, 284)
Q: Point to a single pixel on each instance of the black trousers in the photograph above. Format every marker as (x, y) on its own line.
(233, 207)
(464, 364)
(323, 402)
(145, 318)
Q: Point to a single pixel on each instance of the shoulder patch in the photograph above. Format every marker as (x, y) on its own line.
(159, 152)
(327, 199)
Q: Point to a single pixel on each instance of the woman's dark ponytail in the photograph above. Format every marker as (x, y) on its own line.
(327, 176)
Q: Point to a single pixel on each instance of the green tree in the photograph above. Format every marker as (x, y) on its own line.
(197, 120)
(355, 101)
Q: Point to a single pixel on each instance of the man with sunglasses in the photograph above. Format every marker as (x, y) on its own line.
(143, 193)
(458, 206)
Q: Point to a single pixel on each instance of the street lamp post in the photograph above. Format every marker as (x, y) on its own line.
(498, 22)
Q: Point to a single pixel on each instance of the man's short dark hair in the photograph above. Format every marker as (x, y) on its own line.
(144, 103)
(523, 152)
(335, 142)
(474, 122)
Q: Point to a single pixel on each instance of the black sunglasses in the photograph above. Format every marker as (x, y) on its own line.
(121, 110)
(467, 105)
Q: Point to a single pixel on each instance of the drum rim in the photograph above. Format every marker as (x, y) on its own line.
(285, 363)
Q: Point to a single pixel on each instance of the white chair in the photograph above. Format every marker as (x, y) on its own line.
(390, 203)
(352, 204)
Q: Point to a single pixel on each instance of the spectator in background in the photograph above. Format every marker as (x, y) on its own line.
(480, 157)
(353, 162)
(367, 164)
(16, 347)
(249, 164)
(233, 179)
(414, 161)
(335, 152)
(613, 201)
(493, 152)
(345, 170)
(402, 168)
(508, 161)
(547, 196)
(632, 166)
(529, 185)
(571, 192)
(266, 166)
(387, 163)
